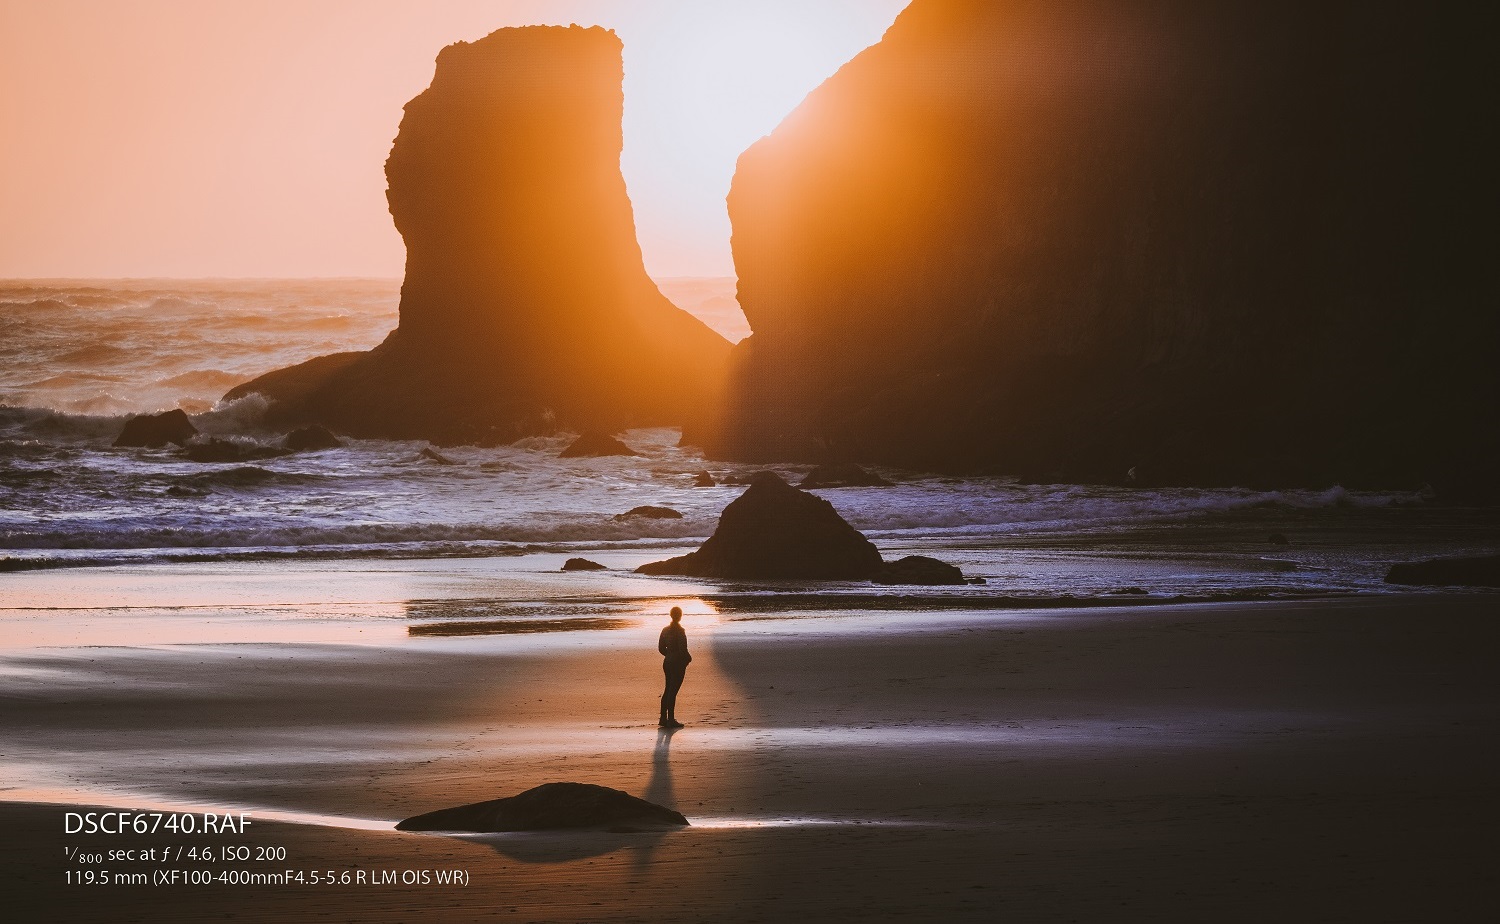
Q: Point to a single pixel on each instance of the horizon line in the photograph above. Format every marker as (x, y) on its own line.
(351, 278)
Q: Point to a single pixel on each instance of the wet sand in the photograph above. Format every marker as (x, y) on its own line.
(1315, 760)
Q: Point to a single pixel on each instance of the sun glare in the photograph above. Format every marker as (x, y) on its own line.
(248, 140)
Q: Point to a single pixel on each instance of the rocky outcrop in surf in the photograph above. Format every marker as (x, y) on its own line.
(157, 430)
(526, 305)
(592, 444)
(774, 530)
(918, 569)
(1147, 243)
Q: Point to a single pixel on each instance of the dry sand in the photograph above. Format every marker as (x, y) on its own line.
(1316, 760)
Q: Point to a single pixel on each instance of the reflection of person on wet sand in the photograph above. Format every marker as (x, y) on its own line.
(675, 659)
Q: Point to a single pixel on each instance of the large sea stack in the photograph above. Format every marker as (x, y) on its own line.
(1212, 243)
(525, 300)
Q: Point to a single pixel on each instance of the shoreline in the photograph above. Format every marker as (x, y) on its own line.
(1333, 756)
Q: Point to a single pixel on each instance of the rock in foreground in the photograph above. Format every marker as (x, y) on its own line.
(156, 430)
(776, 531)
(918, 569)
(550, 807)
(1479, 571)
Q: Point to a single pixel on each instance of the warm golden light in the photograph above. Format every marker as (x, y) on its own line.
(172, 138)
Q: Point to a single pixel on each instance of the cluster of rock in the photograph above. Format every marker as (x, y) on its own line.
(174, 428)
(1143, 244)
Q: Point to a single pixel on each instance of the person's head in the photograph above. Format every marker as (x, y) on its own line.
(677, 614)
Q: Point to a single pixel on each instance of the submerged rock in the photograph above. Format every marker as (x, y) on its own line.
(918, 569)
(157, 430)
(432, 455)
(581, 564)
(217, 450)
(526, 303)
(843, 475)
(596, 444)
(311, 439)
(1478, 571)
(551, 807)
(774, 530)
(650, 513)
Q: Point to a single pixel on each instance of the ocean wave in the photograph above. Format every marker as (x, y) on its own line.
(215, 379)
(50, 426)
(181, 531)
(244, 476)
(242, 417)
(141, 335)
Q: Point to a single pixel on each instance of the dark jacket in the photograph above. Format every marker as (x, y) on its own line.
(673, 645)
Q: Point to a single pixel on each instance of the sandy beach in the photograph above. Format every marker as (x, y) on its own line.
(1317, 760)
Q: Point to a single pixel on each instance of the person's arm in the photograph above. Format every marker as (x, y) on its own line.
(661, 641)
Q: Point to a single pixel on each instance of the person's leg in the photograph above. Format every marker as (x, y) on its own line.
(669, 696)
(666, 692)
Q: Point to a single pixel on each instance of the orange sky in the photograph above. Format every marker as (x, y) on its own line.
(217, 138)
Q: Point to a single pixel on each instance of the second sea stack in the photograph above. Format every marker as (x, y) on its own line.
(526, 305)
(1166, 242)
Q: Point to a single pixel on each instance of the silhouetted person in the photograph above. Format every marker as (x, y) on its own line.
(675, 659)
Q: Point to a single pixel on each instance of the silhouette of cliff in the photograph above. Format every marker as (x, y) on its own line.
(525, 299)
(1213, 243)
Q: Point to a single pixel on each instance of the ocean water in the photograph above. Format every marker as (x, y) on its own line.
(76, 359)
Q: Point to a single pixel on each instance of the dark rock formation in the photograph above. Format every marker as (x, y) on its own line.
(217, 450)
(551, 807)
(918, 569)
(1218, 243)
(774, 530)
(704, 480)
(311, 439)
(843, 475)
(157, 430)
(1479, 571)
(596, 444)
(581, 564)
(432, 455)
(1278, 539)
(526, 304)
(650, 513)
